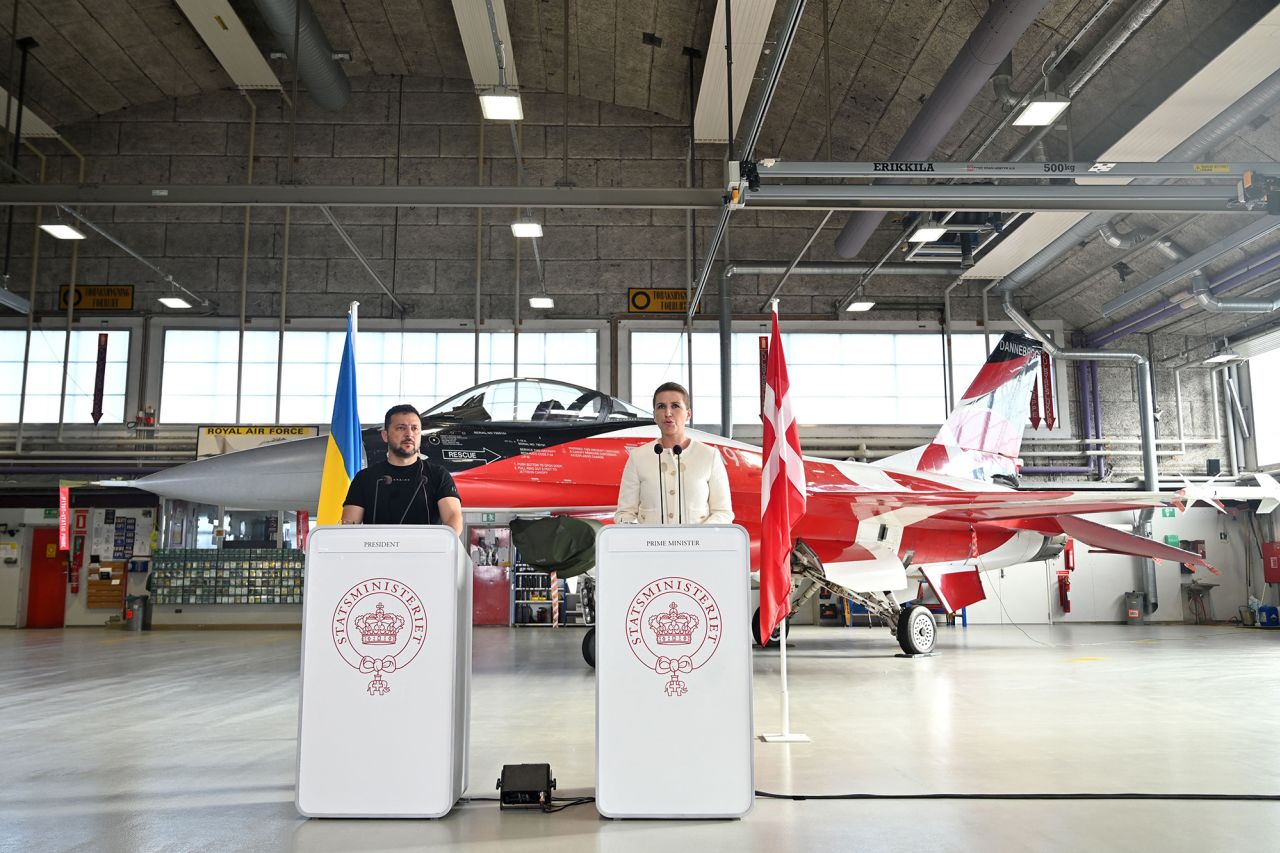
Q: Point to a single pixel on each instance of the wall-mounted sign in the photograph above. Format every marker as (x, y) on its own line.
(216, 440)
(657, 300)
(98, 297)
(64, 518)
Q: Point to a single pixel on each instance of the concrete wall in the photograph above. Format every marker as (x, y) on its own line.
(412, 131)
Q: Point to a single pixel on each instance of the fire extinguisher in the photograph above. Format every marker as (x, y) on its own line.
(1064, 575)
(74, 559)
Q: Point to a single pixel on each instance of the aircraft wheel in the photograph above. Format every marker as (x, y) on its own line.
(916, 630)
(589, 647)
(774, 638)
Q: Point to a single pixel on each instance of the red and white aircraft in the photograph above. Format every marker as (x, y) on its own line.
(936, 512)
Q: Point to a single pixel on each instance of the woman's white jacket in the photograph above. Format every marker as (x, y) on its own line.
(697, 479)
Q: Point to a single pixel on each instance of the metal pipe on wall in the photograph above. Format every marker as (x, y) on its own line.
(31, 303)
(24, 46)
(244, 252)
(71, 301)
(791, 27)
(1146, 408)
(689, 234)
(1232, 458)
(284, 303)
(1229, 279)
(480, 249)
(1097, 411)
(848, 268)
(1245, 383)
(726, 358)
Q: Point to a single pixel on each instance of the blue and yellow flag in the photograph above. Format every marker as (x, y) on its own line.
(344, 454)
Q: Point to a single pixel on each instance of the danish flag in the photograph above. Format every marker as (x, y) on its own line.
(782, 489)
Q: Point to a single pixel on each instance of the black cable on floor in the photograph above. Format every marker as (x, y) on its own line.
(566, 802)
(1026, 796)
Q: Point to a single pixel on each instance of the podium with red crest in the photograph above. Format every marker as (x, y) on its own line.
(673, 672)
(386, 672)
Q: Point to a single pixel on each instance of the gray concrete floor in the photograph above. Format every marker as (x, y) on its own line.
(180, 741)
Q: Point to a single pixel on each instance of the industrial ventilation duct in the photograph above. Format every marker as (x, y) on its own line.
(326, 82)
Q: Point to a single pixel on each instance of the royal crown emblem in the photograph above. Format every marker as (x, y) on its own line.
(673, 628)
(379, 628)
(383, 640)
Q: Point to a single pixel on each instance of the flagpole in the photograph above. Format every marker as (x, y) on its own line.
(786, 735)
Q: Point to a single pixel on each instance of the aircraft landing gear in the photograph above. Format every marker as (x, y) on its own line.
(774, 638)
(916, 630)
(589, 647)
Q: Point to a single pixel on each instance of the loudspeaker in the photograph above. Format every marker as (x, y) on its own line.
(1213, 467)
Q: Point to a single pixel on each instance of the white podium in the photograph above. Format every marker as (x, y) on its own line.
(386, 672)
(673, 672)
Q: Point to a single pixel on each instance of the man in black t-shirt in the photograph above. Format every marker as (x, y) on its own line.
(405, 489)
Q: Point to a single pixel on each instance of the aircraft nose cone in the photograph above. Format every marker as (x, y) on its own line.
(285, 475)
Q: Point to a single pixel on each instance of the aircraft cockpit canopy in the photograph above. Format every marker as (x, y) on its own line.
(541, 401)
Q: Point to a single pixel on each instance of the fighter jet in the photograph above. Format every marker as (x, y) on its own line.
(943, 512)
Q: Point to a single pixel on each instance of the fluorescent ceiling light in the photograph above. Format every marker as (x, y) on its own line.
(526, 229)
(62, 232)
(541, 302)
(860, 306)
(501, 104)
(1042, 112)
(1222, 357)
(927, 234)
(174, 302)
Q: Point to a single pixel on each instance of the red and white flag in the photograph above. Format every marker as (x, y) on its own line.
(782, 489)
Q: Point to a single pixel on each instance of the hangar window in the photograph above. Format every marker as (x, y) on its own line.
(199, 377)
(44, 375)
(836, 378)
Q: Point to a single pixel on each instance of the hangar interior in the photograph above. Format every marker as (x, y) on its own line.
(234, 174)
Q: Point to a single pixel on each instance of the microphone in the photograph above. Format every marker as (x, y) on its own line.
(679, 484)
(662, 503)
(384, 480)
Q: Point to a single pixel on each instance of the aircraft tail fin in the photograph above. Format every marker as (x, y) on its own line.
(981, 438)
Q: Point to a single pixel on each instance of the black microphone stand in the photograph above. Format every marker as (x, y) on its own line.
(662, 503)
(384, 480)
(679, 484)
(422, 481)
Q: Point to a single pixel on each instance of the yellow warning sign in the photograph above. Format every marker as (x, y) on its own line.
(1215, 168)
(216, 440)
(98, 297)
(657, 300)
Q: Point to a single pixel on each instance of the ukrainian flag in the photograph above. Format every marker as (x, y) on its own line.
(344, 455)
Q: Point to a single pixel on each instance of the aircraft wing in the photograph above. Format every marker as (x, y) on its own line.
(956, 505)
(1046, 512)
(1105, 538)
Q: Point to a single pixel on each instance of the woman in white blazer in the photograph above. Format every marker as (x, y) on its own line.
(661, 485)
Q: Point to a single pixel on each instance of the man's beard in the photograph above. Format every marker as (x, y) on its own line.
(398, 451)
